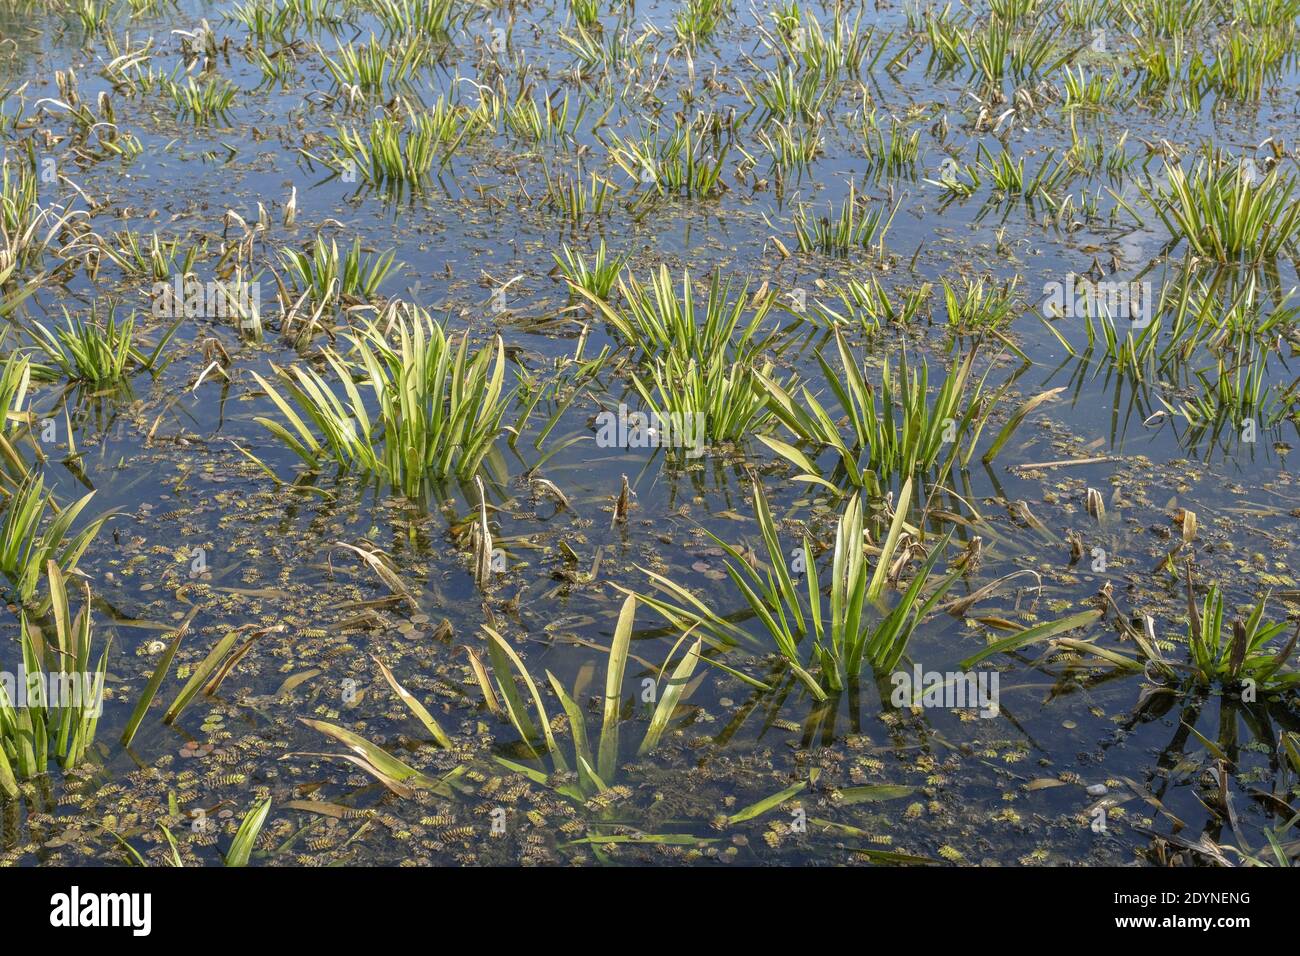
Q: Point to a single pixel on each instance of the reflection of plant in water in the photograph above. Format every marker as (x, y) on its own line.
(1214, 763)
(1235, 393)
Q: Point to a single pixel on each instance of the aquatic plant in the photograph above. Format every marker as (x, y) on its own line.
(1086, 14)
(1009, 178)
(894, 154)
(845, 633)
(1216, 655)
(1091, 93)
(619, 49)
(838, 51)
(1187, 316)
(594, 770)
(1166, 18)
(203, 103)
(330, 278)
(399, 153)
(395, 774)
(986, 50)
(1235, 394)
(710, 398)
(577, 203)
(790, 148)
(1226, 212)
(887, 441)
(28, 543)
(374, 68)
(241, 847)
(703, 368)
(58, 723)
(788, 96)
(93, 15)
(596, 277)
(697, 20)
(425, 19)
(265, 21)
(548, 121)
(1247, 654)
(1243, 66)
(27, 229)
(681, 163)
(655, 319)
(945, 35)
(586, 13)
(950, 179)
(158, 258)
(867, 305)
(438, 405)
(854, 228)
(980, 305)
(100, 353)
(276, 70)
(15, 384)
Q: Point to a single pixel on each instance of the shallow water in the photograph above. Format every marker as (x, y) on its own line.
(927, 782)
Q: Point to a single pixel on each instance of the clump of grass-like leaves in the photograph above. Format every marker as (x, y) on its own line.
(330, 277)
(1217, 655)
(59, 723)
(437, 404)
(595, 771)
(203, 103)
(706, 366)
(595, 276)
(656, 319)
(100, 353)
(28, 542)
(1227, 213)
(893, 432)
(839, 636)
(399, 154)
(688, 161)
(853, 228)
